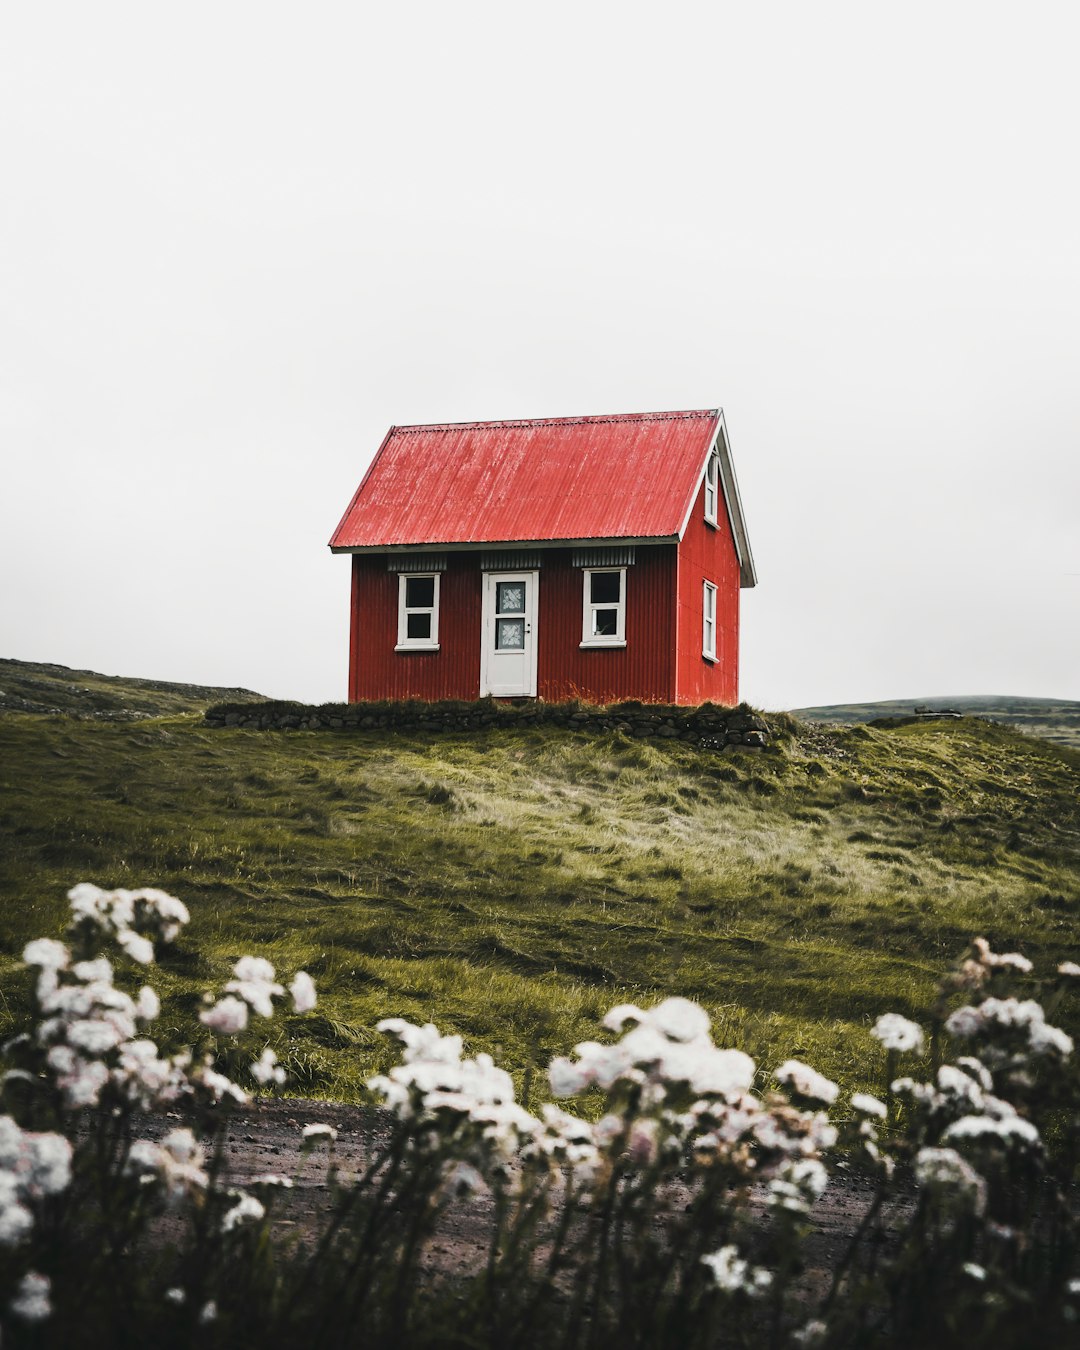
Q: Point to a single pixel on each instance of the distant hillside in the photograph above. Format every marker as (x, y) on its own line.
(37, 687)
(1054, 719)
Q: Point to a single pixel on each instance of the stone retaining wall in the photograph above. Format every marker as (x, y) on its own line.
(708, 724)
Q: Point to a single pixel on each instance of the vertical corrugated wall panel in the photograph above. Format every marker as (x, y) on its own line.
(708, 554)
(644, 668)
(378, 671)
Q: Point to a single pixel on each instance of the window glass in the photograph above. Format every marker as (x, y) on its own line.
(605, 622)
(418, 625)
(711, 473)
(605, 588)
(510, 635)
(510, 597)
(419, 592)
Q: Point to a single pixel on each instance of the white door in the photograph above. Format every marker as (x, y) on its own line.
(508, 653)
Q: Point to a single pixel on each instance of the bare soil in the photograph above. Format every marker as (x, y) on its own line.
(266, 1137)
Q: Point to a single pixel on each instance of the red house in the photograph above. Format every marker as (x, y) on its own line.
(571, 557)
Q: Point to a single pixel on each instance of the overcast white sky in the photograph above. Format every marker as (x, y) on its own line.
(238, 241)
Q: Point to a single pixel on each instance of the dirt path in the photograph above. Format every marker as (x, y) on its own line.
(266, 1136)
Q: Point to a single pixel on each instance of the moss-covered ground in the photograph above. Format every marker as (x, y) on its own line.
(513, 884)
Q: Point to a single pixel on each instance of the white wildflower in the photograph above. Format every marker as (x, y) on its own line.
(255, 984)
(177, 1163)
(267, 1070)
(216, 1084)
(810, 1334)
(208, 1313)
(797, 1185)
(944, 1169)
(315, 1132)
(176, 1295)
(679, 1019)
(47, 954)
(147, 1005)
(974, 1271)
(31, 1299)
(302, 990)
(725, 1073)
(867, 1105)
(93, 1037)
(898, 1033)
(139, 948)
(1047, 1040)
(80, 1080)
(1069, 969)
(1006, 1130)
(567, 1078)
(228, 1017)
(734, 1275)
(94, 972)
(246, 1210)
(976, 1069)
(618, 1017)
(16, 1223)
(47, 1164)
(807, 1082)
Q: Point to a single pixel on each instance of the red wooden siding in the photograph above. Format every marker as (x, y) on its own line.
(708, 554)
(377, 671)
(643, 669)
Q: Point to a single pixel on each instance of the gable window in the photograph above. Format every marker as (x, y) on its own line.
(418, 612)
(604, 611)
(708, 621)
(712, 487)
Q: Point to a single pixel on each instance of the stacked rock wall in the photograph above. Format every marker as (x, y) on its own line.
(706, 724)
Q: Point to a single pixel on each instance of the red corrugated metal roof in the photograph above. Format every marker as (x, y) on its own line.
(628, 476)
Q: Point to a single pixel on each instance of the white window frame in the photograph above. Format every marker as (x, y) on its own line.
(708, 621)
(588, 637)
(712, 489)
(404, 642)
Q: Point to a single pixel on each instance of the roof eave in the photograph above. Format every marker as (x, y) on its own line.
(474, 545)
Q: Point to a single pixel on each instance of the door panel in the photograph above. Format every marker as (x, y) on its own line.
(508, 654)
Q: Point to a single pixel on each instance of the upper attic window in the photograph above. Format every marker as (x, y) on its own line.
(712, 487)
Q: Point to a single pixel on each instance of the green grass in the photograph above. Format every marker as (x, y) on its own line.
(513, 884)
(1054, 719)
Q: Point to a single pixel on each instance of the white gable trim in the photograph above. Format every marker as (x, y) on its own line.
(732, 501)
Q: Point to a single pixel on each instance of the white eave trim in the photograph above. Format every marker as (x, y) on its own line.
(732, 501)
(488, 545)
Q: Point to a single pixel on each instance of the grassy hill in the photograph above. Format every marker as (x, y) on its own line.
(514, 883)
(1053, 719)
(36, 687)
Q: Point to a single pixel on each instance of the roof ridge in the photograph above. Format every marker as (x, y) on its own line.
(583, 420)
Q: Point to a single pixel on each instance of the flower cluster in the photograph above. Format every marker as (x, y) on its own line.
(465, 1107)
(675, 1095)
(255, 987)
(84, 1019)
(32, 1166)
(898, 1034)
(177, 1165)
(734, 1275)
(135, 920)
(1006, 1027)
